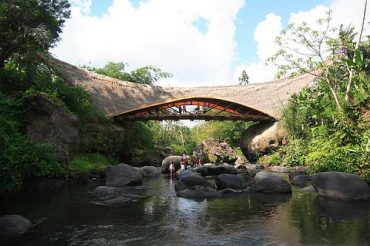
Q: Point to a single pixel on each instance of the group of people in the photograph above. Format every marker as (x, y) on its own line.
(185, 163)
(198, 109)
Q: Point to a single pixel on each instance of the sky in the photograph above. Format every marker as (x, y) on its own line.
(201, 42)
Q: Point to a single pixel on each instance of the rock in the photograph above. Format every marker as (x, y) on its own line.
(298, 170)
(193, 185)
(214, 170)
(194, 179)
(342, 186)
(240, 166)
(51, 124)
(214, 151)
(229, 191)
(122, 175)
(198, 192)
(148, 158)
(225, 181)
(270, 183)
(166, 163)
(253, 169)
(308, 189)
(149, 171)
(279, 169)
(261, 138)
(184, 173)
(13, 226)
(301, 180)
(113, 196)
(105, 192)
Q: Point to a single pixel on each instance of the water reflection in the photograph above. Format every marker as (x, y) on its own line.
(164, 219)
(341, 210)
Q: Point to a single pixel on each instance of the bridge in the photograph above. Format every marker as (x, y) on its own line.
(138, 102)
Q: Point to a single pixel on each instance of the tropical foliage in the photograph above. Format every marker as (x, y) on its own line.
(328, 124)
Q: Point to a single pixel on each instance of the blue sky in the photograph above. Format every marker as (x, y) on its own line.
(253, 12)
(201, 42)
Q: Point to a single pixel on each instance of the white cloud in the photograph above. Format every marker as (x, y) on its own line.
(157, 32)
(264, 35)
(344, 12)
(83, 5)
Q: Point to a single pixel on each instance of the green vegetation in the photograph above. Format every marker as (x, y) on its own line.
(228, 131)
(328, 124)
(143, 75)
(25, 32)
(87, 162)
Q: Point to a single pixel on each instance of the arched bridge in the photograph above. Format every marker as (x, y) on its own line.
(130, 101)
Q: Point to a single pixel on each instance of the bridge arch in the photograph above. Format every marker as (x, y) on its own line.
(194, 108)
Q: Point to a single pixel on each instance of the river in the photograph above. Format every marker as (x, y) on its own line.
(66, 217)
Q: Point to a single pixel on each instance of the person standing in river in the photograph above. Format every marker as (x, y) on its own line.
(171, 168)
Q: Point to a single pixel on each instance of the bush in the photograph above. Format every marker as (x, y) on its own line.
(20, 158)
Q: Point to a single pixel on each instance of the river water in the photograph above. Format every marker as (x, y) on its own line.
(67, 217)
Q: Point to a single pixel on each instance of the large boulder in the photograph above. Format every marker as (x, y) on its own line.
(214, 170)
(113, 196)
(51, 124)
(270, 183)
(122, 175)
(214, 151)
(225, 181)
(148, 158)
(166, 163)
(13, 226)
(339, 185)
(261, 138)
(149, 171)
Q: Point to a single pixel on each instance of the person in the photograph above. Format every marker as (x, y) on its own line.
(182, 162)
(171, 168)
(184, 109)
(180, 109)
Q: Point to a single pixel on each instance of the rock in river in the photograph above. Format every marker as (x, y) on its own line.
(214, 170)
(149, 171)
(301, 180)
(225, 181)
(12, 226)
(193, 185)
(113, 196)
(339, 185)
(270, 183)
(122, 175)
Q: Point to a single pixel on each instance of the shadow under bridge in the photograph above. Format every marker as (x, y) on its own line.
(197, 108)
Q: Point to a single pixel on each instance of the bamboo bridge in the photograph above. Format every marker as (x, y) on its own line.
(126, 101)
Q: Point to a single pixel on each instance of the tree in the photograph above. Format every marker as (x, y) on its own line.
(319, 52)
(244, 78)
(144, 75)
(30, 26)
